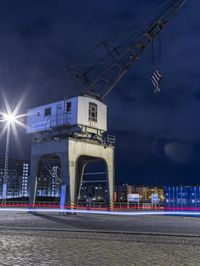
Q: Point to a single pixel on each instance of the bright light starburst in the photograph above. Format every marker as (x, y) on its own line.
(10, 118)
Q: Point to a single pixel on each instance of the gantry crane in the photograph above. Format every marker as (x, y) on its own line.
(122, 51)
(68, 134)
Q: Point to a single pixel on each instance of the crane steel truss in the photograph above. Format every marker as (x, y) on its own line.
(101, 78)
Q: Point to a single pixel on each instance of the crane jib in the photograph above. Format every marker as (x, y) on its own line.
(103, 76)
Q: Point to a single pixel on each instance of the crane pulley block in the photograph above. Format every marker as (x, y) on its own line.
(156, 79)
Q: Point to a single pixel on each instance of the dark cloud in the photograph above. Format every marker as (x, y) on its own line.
(36, 28)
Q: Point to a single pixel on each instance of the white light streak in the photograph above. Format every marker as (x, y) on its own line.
(142, 213)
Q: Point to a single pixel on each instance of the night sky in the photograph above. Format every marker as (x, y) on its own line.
(158, 136)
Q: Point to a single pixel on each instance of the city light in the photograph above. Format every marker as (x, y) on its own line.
(10, 118)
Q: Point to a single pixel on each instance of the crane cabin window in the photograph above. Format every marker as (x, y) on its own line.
(93, 112)
(69, 106)
(47, 111)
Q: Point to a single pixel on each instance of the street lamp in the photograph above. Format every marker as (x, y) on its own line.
(10, 120)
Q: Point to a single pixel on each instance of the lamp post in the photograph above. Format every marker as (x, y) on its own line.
(9, 119)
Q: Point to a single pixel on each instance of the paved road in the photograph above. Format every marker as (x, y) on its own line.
(164, 224)
(46, 239)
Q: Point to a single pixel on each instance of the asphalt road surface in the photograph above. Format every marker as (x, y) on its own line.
(88, 239)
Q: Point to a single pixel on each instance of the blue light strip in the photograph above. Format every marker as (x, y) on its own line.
(138, 213)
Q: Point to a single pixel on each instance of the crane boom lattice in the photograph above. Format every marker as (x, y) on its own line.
(99, 79)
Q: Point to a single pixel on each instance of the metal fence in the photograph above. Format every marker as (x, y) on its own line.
(85, 205)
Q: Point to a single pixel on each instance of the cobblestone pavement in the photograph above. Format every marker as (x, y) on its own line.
(61, 249)
(53, 240)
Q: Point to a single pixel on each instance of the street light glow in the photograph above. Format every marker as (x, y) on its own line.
(10, 118)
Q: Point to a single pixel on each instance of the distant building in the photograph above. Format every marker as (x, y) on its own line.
(145, 192)
(122, 191)
(55, 183)
(48, 185)
(18, 178)
(96, 192)
(25, 179)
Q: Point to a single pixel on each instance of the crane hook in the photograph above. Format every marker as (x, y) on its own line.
(156, 79)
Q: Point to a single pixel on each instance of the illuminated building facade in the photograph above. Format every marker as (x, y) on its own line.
(145, 192)
(96, 192)
(18, 178)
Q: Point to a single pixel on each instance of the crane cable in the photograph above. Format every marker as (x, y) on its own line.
(136, 28)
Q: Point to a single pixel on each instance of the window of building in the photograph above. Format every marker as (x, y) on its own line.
(69, 106)
(93, 112)
(47, 111)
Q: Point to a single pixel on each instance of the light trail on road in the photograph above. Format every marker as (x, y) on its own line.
(136, 213)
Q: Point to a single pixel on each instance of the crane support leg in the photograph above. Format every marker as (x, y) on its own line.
(74, 154)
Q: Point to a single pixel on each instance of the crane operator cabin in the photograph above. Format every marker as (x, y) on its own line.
(80, 114)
